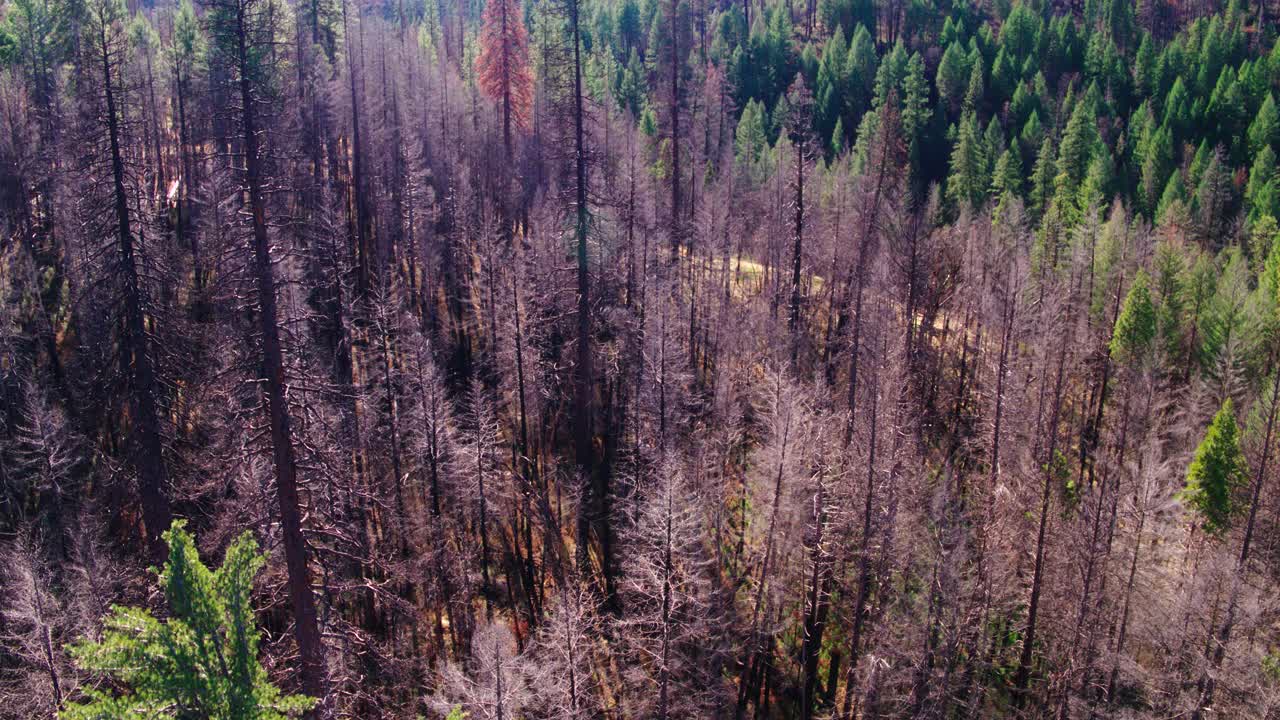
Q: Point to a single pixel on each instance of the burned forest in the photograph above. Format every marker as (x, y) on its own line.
(639, 359)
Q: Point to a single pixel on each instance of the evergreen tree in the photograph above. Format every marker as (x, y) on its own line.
(861, 67)
(779, 117)
(1199, 161)
(968, 182)
(200, 662)
(1042, 175)
(1079, 141)
(1217, 472)
(1022, 105)
(915, 107)
(751, 139)
(830, 86)
(1003, 78)
(1212, 206)
(1265, 128)
(1261, 193)
(973, 96)
(1136, 325)
(1144, 67)
(631, 88)
(1265, 244)
(1006, 178)
(890, 74)
(1156, 165)
(953, 76)
(1170, 268)
(1177, 111)
(1019, 33)
(1096, 188)
(1032, 135)
(1227, 332)
(1226, 109)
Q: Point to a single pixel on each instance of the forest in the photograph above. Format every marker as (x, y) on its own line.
(639, 359)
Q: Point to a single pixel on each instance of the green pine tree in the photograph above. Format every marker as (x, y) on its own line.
(1199, 162)
(976, 88)
(1266, 234)
(201, 662)
(830, 86)
(751, 139)
(968, 182)
(860, 73)
(1264, 242)
(1144, 67)
(915, 106)
(1003, 78)
(1157, 163)
(1032, 135)
(953, 76)
(1096, 187)
(1078, 143)
(1177, 110)
(1042, 174)
(1136, 326)
(1214, 201)
(1007, 176)
(1022, 105)
(1261, 192)
(1226, 325)
(1020, 32)
(1265, 127)
(1216, 472)
(889, 76)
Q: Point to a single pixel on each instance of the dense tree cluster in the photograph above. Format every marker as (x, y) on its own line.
(639, 359)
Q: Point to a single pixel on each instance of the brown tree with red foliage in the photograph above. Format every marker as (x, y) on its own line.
(503, 64)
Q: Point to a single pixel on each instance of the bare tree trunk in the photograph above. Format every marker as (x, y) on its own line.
(864, 566)
(306, 626)
(1124, 612)
(793, 317)
(582, 405)
(664, 667)
(1023, 675)
(676, 220)
(364, 249)
(860, 280)
(147, 450)
(46, 643)
(155, 125)
(755, 654)
(184, 186)
(817, 605)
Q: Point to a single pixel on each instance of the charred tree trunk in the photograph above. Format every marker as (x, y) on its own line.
(364, 249)
(582, 406)
(306, 625)
(865, 569)
(147, 447)
(797, 248)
